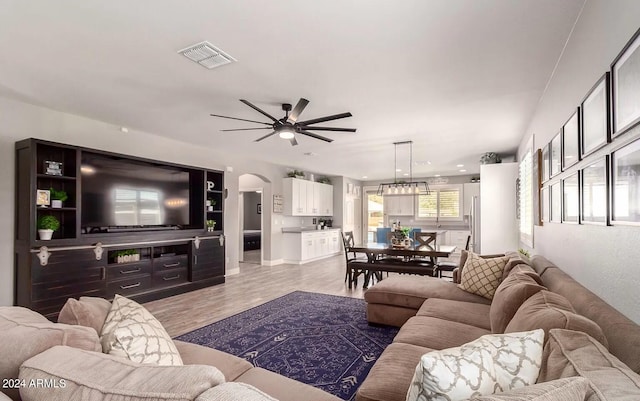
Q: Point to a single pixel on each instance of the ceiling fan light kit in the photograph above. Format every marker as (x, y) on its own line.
(402, 187)
(289, 126)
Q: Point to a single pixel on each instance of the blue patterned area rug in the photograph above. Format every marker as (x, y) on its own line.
(321, 340)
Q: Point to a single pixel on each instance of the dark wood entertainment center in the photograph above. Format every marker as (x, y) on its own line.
(143, 262)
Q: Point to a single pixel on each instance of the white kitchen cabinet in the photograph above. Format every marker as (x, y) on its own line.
(307, 198)
(469, 190)
(399, 205)
(308, 246)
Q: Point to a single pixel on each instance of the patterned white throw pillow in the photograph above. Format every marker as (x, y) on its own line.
(492, 363)
(130, 331)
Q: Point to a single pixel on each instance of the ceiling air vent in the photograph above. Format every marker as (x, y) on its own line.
(207, 55)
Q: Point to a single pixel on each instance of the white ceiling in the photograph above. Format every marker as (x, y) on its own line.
(457, 77)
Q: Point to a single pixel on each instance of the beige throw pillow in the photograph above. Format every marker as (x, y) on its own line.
(482, 276)
(87, 311)
(130, 331)
(492, 363)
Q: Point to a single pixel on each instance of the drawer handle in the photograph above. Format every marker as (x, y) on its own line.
(171, 278)
(172, 265)
(126, 287)
(130, 271)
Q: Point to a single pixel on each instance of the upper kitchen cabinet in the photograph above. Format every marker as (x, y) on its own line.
(399, 205)
(307, 198)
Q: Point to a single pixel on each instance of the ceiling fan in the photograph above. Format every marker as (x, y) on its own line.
(288, 126)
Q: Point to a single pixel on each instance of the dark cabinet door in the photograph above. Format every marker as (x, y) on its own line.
(208, 260)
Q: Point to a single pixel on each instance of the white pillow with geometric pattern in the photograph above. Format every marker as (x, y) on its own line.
(130, 331)
(492, 363)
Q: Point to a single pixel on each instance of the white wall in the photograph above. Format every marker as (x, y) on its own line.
(604, 259)
(21, 120)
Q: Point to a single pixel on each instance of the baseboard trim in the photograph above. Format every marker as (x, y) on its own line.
(231, 272)
(274, 262)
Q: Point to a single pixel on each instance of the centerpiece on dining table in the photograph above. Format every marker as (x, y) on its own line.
(400, 237)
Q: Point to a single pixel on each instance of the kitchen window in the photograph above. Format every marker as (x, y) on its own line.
(442, 203)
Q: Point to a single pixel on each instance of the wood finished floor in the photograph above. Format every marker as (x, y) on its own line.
(255, 285)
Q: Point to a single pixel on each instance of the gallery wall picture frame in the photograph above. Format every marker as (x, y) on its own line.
(625, 86)
(546, 162)
(536, 161)
(595, 116)
(555, 203)
(570, 141)
(594, 192)
(625, 184)
(571, 199)
(545, 196)
(555, 155)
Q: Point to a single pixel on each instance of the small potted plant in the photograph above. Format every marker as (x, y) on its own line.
(46, 226)
(324, 180)
(296, 174)
(57, 197)
(211, 225)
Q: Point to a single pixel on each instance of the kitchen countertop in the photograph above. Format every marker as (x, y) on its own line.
(305, 229)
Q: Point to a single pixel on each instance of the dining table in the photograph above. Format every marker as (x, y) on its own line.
(412, 259)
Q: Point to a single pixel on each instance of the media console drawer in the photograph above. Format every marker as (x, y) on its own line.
(170, 262)
(129, 286)
(170, 277)
(126, 270)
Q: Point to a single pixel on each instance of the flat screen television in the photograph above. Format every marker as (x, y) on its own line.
(120, 194)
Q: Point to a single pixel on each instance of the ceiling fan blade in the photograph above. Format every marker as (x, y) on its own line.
(323, 119)
(293, 141)
(265, 137)
(330, 129)
(244, 129)
(302, 103)
(312, 135)
(241, 119)
(256, 108)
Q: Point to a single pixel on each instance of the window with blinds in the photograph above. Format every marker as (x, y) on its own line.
(526, 199)
(441, 203)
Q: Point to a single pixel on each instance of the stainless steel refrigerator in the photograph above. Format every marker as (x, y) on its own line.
(474, 225)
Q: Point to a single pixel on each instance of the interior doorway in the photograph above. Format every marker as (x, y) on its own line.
(251, 219)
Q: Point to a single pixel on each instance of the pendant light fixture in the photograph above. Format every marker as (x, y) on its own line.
(403, 187)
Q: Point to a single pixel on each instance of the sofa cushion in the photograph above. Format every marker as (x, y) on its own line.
(96, 376)
(411, 291)
(234, 392)
(130, 331)
(572, 353)
(470, 313)
(87, 311)
(569, 389)
(494, 362)
(283, 388)
(230, 365)
(482, 276)
(510, 295)
(547, 310)
(434, 333)
(390, 377)
(515, 259)
(528, 270)
(25, 333)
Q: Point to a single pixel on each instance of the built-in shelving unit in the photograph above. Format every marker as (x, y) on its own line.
(158, 245)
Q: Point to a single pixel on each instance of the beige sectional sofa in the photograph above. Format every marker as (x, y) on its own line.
(68, 361)
(434, 314)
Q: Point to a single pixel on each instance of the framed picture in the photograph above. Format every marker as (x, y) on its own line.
(259, 208)
(594, 192)
(594, 110)
(570, 136)
(278, 203)
(555, 154)
(626, 184)
(556, 203)
(43, 197)
(52, 168)
(545, 196)
(545, 163)
(625, 76)
(570, 199)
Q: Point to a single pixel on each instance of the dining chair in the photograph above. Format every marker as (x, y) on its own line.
(451, 266)
(426, 240)
(348, 242)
